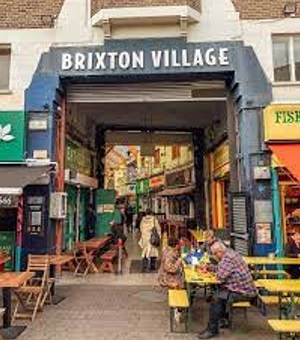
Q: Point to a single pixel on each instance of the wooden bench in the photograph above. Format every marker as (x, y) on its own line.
(108, 259)
(244, 305)
(286, 328)
(178, 298)
(267, 273)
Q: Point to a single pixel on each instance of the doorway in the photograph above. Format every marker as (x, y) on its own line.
(149, 143)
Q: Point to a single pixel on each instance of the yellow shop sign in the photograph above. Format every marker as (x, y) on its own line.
(282, 122)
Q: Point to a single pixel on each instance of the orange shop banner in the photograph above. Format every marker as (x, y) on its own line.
(157, 181)
(282, 122)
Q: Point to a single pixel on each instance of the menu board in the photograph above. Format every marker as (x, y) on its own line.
(263, 233)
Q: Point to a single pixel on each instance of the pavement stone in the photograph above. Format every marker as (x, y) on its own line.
(127, 312)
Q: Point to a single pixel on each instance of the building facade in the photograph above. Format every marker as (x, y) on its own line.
(235, 58)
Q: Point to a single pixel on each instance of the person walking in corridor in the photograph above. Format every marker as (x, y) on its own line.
(150, 252)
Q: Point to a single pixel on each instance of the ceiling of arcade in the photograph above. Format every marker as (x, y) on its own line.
(169, 115)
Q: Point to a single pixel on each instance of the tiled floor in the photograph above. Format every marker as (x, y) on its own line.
(128, 306)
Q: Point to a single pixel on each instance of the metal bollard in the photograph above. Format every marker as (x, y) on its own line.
(120, 251)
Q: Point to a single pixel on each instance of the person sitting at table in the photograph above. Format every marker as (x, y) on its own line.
(236, 284)
(170, 272)
(210, 239)
(292, 249)
(117, 232)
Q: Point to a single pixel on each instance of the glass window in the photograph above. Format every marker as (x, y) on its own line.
(281, 59)
(297, 57)
(4, 67)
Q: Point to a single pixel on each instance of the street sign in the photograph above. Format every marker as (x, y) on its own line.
(8, 201)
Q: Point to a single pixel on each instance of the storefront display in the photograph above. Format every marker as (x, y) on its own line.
(282, 135)
(219, 185)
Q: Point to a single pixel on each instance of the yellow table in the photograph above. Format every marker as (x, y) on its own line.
(289, 289)
(271, 261)
(193, 277)
(266, 261)
(197, 236)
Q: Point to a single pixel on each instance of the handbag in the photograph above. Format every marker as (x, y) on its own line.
(154, 238)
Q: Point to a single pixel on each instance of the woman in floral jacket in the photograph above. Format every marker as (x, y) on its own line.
(171, 273)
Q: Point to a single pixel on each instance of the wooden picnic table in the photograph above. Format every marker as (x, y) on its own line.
(194, 278)
(60, 260)
(9, 281)
(286, 289)
(97, 242)
(90, 248)
(264, 260)
(57, 260)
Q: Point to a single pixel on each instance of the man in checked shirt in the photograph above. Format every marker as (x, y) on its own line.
(236, 284)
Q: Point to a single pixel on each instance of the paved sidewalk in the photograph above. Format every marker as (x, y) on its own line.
(127, 312)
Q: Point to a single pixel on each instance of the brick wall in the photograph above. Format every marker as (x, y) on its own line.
(262, 9)
(28, 13)
(97, 5)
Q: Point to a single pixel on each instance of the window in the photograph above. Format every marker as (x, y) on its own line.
(4, 66)
(175, 151)
(286, 58)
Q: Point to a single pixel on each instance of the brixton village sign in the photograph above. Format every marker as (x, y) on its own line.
(161, 58)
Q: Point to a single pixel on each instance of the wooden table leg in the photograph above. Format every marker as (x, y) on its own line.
(52, 273)
(7, 305)
(91, 263)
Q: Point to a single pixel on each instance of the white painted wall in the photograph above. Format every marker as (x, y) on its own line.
(218, 21)
(259, 35)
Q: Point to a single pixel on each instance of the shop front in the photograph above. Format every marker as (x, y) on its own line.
(143, 76)
(17, 176)
(142, 195)
(218, 181)
(282, 135)
(179, 193)
(158, 203)
(80, 188)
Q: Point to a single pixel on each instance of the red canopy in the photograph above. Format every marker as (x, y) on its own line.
(289, 156)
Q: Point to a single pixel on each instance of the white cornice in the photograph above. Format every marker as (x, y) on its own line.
(134, 16)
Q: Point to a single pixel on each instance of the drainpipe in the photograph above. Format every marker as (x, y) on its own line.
(277, 214)
(77, 231)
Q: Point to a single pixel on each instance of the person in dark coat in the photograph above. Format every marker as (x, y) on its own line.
(117, 232)
(292, 249)
(90, 222)
(129, 218)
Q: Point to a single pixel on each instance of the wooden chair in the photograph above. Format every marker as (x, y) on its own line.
(83, 259)
(33, 294)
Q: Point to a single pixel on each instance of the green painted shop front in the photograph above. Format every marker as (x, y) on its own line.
(12, 126)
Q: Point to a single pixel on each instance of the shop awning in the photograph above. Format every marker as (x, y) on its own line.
(177, 191)
(288, 155)
(17, 177)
